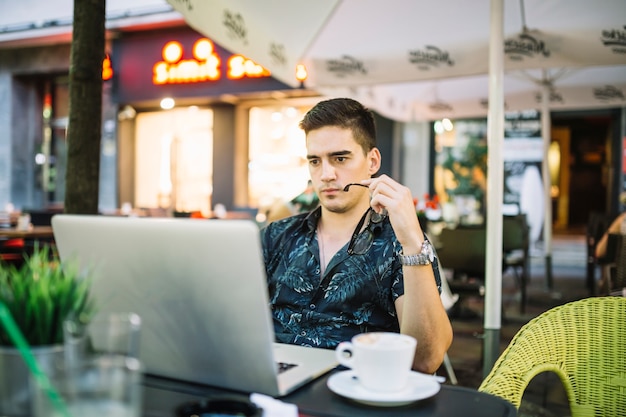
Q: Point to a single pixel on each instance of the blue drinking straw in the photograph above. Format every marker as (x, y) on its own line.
(22, 345)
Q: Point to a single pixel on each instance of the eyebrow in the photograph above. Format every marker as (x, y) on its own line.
(338, 153)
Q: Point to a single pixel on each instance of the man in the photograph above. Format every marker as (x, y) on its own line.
(617, 226)
(359, 262)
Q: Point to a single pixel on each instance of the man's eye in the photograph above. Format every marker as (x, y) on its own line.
(313, 162)
(341, 158)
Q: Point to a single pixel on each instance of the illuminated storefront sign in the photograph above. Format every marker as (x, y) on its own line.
(204, 66)
(183, 64)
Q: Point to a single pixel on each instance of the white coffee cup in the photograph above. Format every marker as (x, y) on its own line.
(381, 361)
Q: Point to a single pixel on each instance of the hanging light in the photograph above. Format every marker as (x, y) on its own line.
(438, 126)
(167, 103)
(301, 74)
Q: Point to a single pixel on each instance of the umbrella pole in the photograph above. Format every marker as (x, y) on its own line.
(495, 185)
(547, 221)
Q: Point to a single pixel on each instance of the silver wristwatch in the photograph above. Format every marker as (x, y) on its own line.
(425, 257)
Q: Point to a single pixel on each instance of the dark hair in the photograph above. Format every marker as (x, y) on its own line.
(344, 113)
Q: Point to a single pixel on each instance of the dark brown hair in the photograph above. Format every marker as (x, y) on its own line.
(344, 113)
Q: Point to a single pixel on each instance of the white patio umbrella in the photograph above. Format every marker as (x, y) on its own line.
(371, 42)
(401, 57)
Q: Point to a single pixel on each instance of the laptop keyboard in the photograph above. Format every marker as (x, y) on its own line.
(283, 366)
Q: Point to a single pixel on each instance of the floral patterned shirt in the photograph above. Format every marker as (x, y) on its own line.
(355, 295)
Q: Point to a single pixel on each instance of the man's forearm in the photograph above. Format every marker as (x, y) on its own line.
(421, 315)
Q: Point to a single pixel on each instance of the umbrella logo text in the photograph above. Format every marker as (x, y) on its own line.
(345, 66)
(277, 52)
(440, 106)
(616, 38)
(608, 93)
(553, 97)
(187, 4)
(235, 26)
(430, 57)
(525, 46)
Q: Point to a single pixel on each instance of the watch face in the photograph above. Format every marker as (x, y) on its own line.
(428, 250)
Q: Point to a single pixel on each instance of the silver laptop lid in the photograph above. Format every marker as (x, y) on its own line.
(198, 285)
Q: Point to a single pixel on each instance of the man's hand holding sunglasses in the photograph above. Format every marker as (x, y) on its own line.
(387, 195)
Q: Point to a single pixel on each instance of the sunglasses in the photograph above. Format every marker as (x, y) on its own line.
(361, 242)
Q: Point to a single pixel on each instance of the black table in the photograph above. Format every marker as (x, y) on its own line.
(161, 396)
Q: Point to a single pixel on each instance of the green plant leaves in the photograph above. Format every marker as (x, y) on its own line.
(42, 294)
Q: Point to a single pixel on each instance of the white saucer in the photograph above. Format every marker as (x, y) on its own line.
(347, 385)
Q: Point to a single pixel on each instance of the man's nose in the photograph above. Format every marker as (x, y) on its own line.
(328, 172)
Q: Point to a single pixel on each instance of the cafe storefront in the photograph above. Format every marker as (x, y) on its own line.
(199, 126)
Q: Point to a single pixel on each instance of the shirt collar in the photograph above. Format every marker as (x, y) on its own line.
(312, 219)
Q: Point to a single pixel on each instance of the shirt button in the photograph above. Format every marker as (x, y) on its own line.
(312, 306)
(317, 271)
(302, 333)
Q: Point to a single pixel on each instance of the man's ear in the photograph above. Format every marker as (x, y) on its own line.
(374, 160)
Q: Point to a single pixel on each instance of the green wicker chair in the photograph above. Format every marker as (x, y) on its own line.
(584, 343)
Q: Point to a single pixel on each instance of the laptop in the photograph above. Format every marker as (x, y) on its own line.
(200, 289)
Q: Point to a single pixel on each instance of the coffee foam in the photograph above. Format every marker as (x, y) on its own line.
(369, 338)
(382, 340)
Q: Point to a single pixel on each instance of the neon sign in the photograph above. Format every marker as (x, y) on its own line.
(107, 69)
(239, 66)
(204, 66)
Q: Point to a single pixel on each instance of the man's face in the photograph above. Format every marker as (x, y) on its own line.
(336, 159)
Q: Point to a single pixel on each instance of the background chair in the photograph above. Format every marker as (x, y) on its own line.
(515, 251)
(463, 251)
(583, 343)
(448, 299)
